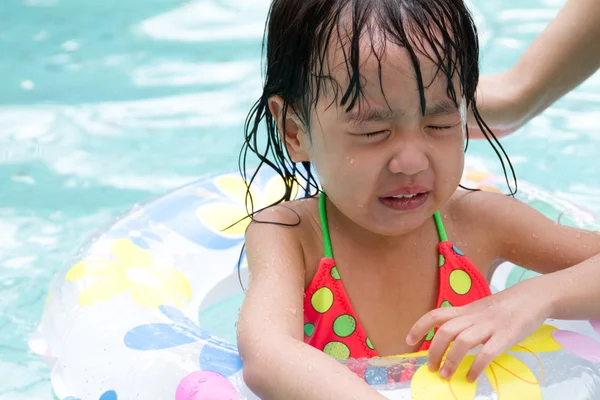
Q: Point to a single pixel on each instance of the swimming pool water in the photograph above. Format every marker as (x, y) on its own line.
(105, 104)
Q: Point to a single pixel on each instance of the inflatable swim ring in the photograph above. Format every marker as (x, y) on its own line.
(147, 310)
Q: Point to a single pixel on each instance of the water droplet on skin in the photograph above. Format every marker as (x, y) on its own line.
(578, 235)
(535, 236)
(351, 161)
(292, 311)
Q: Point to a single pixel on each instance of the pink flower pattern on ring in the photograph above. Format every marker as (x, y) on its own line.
(579, 344)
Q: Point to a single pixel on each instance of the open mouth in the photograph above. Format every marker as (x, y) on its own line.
(405, 202)
(406, 196)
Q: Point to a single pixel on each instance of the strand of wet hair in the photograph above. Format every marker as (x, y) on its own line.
(487, 132)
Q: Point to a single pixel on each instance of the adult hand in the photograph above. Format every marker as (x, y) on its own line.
(503, 103)
(563, 56)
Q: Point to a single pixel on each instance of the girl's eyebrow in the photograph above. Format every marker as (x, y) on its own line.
(364, 115)
(443, 107)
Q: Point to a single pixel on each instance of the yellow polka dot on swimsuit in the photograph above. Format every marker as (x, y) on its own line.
(460, 281)
(337, 350)
(330, 323)
(322, 300)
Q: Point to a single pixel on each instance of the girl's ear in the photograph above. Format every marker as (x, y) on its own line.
(295, 136)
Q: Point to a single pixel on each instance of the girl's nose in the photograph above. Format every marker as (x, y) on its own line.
(408, 159)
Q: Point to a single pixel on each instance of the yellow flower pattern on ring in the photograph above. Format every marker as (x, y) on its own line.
(131, 269)
(510, 377)
(221, 216)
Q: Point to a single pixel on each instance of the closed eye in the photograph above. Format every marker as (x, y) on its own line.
(443, 127)
(373, 134)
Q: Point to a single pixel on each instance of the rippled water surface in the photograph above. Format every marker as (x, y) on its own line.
(107, 103)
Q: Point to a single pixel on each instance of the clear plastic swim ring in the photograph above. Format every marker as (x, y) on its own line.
(147, 310)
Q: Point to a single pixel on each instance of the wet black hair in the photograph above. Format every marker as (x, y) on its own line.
(298, 36)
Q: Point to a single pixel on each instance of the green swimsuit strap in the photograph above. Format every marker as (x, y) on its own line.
(325, 225)
(440, 227)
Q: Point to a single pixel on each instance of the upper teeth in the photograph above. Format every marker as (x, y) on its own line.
(404, 196)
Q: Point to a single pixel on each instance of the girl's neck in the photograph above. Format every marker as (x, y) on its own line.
(356, 234)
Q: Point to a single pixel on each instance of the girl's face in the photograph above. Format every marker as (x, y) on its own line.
(385, 165)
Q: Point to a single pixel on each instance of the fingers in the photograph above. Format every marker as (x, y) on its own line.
(492, 349)
(447, 333)
(465, 341)
(429, 321)
(461, 329)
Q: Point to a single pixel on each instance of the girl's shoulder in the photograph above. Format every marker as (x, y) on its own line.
(476, 205)
(288, 231)
(295, 216)
(485, 213)
(472, 222)
(511, 230)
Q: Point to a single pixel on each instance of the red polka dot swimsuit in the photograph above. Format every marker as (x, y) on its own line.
(330, 323)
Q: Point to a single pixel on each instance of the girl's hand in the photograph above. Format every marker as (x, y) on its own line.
(497, 322)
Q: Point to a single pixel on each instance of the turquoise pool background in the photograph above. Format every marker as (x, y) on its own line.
(106, 104)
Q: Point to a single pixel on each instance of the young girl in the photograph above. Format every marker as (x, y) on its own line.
(372, 95)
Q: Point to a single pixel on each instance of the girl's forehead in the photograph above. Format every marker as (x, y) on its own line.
(380, 57)
(388, 73)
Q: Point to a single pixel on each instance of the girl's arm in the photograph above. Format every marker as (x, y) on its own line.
(569, 257)
(564, 55)
(277, 363)
(515, 232)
